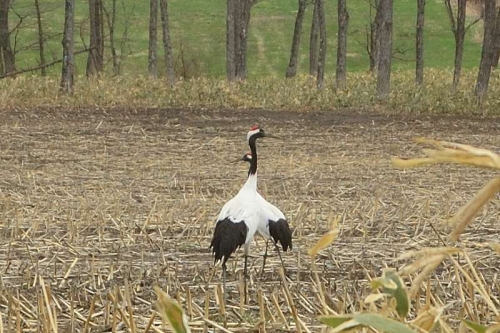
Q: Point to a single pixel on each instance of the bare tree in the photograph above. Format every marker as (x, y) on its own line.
(40, 37)
(153, 25)
(371, 40)
(230, 41)
(291, 71)
(167, 44)
(237, 24)
(384, 36)
(496, 52)
(313, 43)
(111, 20)
(343, 22)
(322, 43)
(68, 66)
(95, 59)
(371, 36)
(242, 24)
(419, 70)
(458, 28)
(125, 47)
(7, 58)
(483, 77)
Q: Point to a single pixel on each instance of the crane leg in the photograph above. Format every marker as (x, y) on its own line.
(265, 257)
(224, 282)
(281, 259)
(245, 276)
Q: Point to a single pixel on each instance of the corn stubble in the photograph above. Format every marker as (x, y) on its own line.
(87, 237)
(389, 305)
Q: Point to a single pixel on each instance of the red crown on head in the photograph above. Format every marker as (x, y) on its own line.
(254, 127)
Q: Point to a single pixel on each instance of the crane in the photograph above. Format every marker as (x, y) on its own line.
(273, 224)
(239, 218)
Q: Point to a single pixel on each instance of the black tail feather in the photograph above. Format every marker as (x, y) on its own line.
(228, 237)
(280, 231)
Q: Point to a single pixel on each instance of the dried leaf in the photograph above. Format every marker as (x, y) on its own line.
(343, 323)
(428, 318)
(372, 298)
(423, 262)
(450, 152)
(427, 251)
(325, 240)
(467, 212)
(425, 273)
(172, 312)
(495, 247)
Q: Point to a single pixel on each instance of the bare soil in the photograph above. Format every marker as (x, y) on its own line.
(98, 204)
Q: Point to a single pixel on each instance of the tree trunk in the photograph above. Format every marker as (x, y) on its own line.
(153, 25)
(7, 58)
(95, 57)
(384, 35)
(40, 37)
(291, 71)
(419, 70)
(111, 19)
(237, 24)
(459, 42)
(242, 25)
(483, 77)
(101, 26)
(458, 28)
(313, 43)
(343, 18)
(322, 43)
(496, 52)
(373, 36)
(230, 41)
(167, 43)
(68, 65)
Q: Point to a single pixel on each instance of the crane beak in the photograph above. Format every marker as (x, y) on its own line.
(273, 136)
(236, 161)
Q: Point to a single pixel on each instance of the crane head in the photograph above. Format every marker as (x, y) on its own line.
(246, 158)
(257, 132)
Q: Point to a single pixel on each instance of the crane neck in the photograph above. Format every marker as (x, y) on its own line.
(253, 162)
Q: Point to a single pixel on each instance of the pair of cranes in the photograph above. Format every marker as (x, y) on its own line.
(249, 213)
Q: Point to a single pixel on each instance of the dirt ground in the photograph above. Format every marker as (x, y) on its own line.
(98, 206)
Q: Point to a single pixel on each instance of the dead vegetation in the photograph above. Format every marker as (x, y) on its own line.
(97, 207)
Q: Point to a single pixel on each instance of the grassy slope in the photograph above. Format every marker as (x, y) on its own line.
(199, 26)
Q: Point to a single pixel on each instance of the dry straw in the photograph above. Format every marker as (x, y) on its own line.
(103, 205)
(449, 152)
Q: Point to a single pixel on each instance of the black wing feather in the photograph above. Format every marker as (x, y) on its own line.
(280, 231)
(228, 237)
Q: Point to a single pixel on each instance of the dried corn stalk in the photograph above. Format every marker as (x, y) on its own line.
(449, 152)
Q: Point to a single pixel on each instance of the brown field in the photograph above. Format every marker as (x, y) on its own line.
(97, 207)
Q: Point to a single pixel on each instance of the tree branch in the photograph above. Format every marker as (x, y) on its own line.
(32, 69)
(472, 23)
(449, 10)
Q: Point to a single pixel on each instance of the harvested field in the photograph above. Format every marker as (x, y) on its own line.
(97, 207)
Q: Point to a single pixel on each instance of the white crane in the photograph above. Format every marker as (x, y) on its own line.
(239, 219)
(273, 224)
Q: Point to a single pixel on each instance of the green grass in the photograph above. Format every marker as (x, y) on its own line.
(198, 26)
